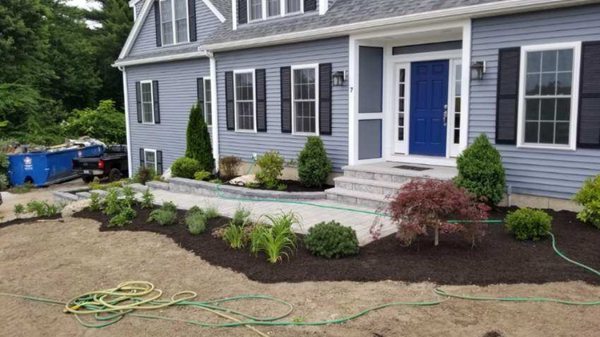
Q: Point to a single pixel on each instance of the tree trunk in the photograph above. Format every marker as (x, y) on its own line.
(437, 235)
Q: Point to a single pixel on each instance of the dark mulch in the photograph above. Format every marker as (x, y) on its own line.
(295, 186)
(498, 259)
(27, 220)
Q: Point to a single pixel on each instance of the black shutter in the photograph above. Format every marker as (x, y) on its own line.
(286, 99)
(156, 102)
(507, 95)
(310, 5)
(142, 159)
(325, 98)
(159, 163)
(200, 89)
(261, 100)
(229, 103)
(192, 20)
(588, 135)
(157, 23)
(242, 6)
(138, 99)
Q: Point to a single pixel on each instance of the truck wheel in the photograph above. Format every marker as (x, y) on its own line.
(87, 178)
(115, 175)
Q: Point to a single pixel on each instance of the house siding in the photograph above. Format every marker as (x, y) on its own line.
(243, 145)
(549, 173)
(206, 23)
(177, 94)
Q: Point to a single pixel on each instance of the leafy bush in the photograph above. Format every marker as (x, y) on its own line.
(128, 196)
(166, 215)
(185, 167)
(241, 217)
(112, 204)
(95, 202)
(196, 222)
(202, 175)
(235, 236)
(43, 208)
(125, 217)
(313, 165)
(529, 224)
(199, 146)
(144, 175)
(105, 123)
(211, 213)
(480, 171)
(3, 171)
(270, 167)
(147, 199)
(424, 205)
(19, 209)
(589, 197)
(3, 182)
(228, 167)
(331, 240)
(276, 239)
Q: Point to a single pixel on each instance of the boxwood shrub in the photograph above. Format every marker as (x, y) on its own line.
(589, 197)
(185, 167)
(331, 240)
(529, 224)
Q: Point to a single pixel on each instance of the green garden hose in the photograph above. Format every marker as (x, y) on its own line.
(135, 297)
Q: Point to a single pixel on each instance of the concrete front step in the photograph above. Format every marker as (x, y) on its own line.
(391, 173)
(363, 199)
(384, 188)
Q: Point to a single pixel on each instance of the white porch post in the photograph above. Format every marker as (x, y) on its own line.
(127, 128)
(215, 108)
(352, 102)
(465, 85)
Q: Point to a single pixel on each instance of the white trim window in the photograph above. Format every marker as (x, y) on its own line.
(147, 98)
(305, 98)
(207, 102)
(150, 160)
(245, 101)
(266, 9)
(548, 96)
(174, 25)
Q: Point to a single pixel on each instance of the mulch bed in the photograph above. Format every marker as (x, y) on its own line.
(27, 220)
(498, 259)
(294, 186)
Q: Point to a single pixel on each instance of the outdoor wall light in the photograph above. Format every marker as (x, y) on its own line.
(477, 70)
(339, 77)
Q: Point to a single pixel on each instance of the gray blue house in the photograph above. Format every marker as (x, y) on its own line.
(381, 81)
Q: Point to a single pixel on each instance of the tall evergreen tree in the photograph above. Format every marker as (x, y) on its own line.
(199, 146)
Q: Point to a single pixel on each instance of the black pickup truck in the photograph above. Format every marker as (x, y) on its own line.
(112, 165)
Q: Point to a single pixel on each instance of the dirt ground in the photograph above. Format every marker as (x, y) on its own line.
(62, 259)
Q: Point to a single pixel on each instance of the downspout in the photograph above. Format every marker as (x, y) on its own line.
(127, 129)
(215, 107)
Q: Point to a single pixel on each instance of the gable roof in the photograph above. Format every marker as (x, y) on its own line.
(141, 18)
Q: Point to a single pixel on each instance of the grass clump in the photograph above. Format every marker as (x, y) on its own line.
(276, 239)
(195, 220)
(529, 224)
(19, 209)
(166, 215)
(236, 234)
(43, 209)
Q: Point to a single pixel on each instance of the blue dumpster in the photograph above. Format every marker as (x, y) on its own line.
(49, 167)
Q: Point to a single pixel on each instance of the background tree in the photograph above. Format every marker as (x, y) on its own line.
(199, 146)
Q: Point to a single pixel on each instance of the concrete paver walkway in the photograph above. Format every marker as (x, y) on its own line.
(309, 215)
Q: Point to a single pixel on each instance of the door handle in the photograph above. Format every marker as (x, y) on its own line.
(445, 114)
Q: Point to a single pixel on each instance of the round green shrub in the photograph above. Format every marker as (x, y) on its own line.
(313, 164)
(331, 240)
(270, 167)
(480, 171)
(589, 197)
(185, 168)
(529, 224)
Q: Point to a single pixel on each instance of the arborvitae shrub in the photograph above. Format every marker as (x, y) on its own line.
(313, 164)
(199, 146)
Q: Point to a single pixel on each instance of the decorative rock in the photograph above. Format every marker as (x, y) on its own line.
(244, 180)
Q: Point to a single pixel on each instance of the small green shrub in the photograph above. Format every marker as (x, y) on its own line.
(270, 167)
(529, 224)
(3, 182)
(276, 239)
(331, 240)
(196, 222)
(313, 164)
(241, 217)
(147, 199)
(128, 196)
(96, 185)
(185, 168)
(202, 175)
(235, 236)
(211, 213)
(19, 209)
(112, 204)
(144, 175)
(589, 197)
(95, 202)
(480, 171)
(43, 208)
(166, 215)
(125, 217)
(228, 167)
(199, 144)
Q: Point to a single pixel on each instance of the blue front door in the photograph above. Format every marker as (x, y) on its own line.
(428, 106)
